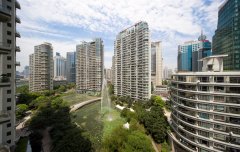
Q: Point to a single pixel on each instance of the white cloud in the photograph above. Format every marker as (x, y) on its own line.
(168, 19)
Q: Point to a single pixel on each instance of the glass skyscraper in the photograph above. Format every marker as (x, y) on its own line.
(71, 67)
(227, 36)
(190, 53)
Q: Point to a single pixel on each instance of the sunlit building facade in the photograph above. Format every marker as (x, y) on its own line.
(132, 56)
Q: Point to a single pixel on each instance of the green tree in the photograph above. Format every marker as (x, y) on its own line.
(138, 142)
(21, 109)
(73, 141)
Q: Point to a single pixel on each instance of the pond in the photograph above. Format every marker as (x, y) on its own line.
(96, 125)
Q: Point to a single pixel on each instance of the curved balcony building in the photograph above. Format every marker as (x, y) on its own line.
(206, 109)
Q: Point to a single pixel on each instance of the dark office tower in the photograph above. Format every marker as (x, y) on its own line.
(71, 67)
(227, 36)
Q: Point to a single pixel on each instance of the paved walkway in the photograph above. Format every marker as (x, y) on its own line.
(79, 105)
(21, 130)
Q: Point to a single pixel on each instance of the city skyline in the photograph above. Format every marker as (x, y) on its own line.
(169, 22)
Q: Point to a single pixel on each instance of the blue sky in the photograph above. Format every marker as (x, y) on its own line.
(65, 23)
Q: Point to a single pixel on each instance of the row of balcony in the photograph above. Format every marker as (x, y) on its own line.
(221, 100)
(202, 79)
(204, 139)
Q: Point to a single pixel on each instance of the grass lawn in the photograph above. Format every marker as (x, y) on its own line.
(73, 98)
(22, 145)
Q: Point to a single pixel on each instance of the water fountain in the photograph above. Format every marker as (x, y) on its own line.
(106, 101)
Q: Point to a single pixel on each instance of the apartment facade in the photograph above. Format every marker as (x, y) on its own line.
(59, 67)
(41, 68)
(156, 63)
(133, 62)
(8, 49)
(89, 66)
(227, 36)
(190, 53)
(206, 109)
(71, 67)
(113, 70)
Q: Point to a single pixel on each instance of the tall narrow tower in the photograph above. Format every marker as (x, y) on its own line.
(41, 68)
(8, 49)
(133, 62)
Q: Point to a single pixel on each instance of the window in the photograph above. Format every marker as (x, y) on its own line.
(204, 124)
(9, 24)
(9, 66)
(219, 146)
(9, 108)
(203, 133)
(202, 97)
(9, 141)
(9, 58)
(218, 99)
(9, 74)
(8, 133)
(204, 106)
(203, 115)
(9, 99)
(204, 142)
(219, 108)
(217, 117)
(9, 7)
(9, 33)
(9, 125)
(9, 91)
(219, 137)
(9, 41)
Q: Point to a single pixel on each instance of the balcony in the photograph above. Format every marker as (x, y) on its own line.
(4, 116)
(18, 49)
(4, 80)
(234, 80)
(17, 34)
(18, 20)
(233, 100)
(17, 4)
(4, 48)
(5, 14)
(235, 90)
(17, 63)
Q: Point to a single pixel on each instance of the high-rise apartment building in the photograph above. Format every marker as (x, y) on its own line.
(108, 74)
(71, 67)
(227, 36)
(206, 109)
(113, 70)
(167, 73)
(59, 67)
(8, 49)
(41, 68)
(133, 62)
(156, 63)
(191, 53)
(89, 66)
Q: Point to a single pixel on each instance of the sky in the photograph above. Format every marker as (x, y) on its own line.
(65, 23)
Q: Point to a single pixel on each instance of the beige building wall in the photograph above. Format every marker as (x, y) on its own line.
(89, 66)
(41, 68)
(132, 58)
